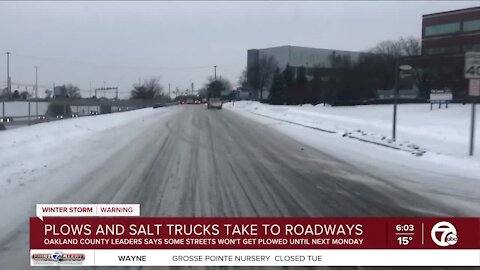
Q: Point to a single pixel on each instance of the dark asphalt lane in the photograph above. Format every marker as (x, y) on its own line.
(201, 162)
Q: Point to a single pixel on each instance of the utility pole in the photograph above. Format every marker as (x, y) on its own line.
(36, 91)
(215, 72)
(169, 91)
(9, 83)
(88, 107)
(192, 88)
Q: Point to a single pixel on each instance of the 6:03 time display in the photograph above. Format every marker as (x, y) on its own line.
(405, 228)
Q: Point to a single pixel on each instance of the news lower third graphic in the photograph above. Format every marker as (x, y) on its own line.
(116, 235)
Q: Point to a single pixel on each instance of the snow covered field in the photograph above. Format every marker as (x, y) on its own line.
(445, 168)
(444, 131)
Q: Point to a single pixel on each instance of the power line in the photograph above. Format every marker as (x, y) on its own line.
(23, 84)
(108, 66)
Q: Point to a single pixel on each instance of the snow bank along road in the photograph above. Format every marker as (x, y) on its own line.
(190, 161)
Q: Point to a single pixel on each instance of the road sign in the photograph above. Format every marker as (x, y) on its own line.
(225, 93)
(474, 88)
(440, 95)
(472, 65)
(405, 67)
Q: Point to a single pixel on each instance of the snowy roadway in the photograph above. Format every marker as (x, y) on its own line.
(190, 161)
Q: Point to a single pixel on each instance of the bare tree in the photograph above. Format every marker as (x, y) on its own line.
(149, 89)
(215, 87)
(67, 90)
(25, 95)
(4, 93)
(409, 46)
(242, 79)
(48, 93)
(266, 71)
(73, 91)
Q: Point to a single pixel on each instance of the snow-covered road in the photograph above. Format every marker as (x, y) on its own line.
(190, 161)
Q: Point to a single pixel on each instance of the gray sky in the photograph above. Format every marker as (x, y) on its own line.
(120, 42)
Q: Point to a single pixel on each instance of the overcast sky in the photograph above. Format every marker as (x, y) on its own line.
(121, 42)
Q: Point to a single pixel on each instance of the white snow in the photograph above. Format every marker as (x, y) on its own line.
(444, 131)
(40, 161)
(444, 172)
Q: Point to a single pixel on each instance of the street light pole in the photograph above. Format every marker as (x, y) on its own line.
(398, 69)
(472, 129)
(215, 72)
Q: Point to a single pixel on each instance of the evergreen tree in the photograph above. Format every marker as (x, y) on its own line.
(316, 91)
(277, 89)
(289, 81)
(301, 86)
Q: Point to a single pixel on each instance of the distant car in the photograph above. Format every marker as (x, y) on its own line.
(93, 113)
(41, 117)
(214, 103)
(6, 119)
(59, 116)
(198, 102)
(158, 105)
(74, 115)
(189, 101)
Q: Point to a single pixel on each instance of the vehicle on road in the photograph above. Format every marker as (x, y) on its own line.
(158, 105)
(93, 113)
(189, 101)
(214, 103)
(6, 119)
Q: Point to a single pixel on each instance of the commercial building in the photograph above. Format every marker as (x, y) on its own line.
(446, 36)
(451, 32)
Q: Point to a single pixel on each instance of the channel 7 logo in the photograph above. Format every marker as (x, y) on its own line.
(447, 233)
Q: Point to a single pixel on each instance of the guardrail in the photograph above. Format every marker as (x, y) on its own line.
(94, 104)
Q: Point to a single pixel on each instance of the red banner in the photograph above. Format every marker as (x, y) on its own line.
(254, 233)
